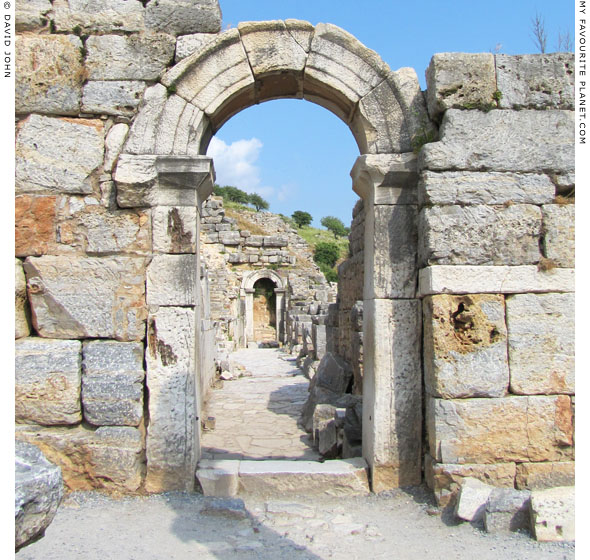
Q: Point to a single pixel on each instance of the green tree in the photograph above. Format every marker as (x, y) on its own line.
(302, 218)
(326, 253)
(334, 225)
(330, 274)
(234, 194)
(258, 202)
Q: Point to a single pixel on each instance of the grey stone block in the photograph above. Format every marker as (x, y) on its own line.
(559, 233)
(171, 280)
(472, 499)
(507, 510)
(180, 17)
(98, 16)
(112, 98)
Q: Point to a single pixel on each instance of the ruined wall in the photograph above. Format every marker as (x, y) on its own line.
(496, 253)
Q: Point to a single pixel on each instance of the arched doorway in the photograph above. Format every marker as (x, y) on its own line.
(386, 113)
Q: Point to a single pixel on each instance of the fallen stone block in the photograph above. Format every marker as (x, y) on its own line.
(472, 499)
(218, 478)
(553, 514)
(38, 491)
(507, 510)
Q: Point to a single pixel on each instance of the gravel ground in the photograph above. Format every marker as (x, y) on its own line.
(399, 525)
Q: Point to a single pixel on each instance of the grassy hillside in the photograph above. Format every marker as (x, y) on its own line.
(313, 236)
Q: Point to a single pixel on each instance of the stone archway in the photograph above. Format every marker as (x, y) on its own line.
(162, 165)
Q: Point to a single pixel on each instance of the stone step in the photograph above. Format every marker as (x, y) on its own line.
(227, 478)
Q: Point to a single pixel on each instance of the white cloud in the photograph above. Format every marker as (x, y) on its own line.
(235, 164)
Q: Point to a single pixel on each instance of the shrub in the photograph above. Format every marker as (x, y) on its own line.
(326, 253)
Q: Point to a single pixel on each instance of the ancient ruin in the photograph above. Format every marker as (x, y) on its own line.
(453, 321)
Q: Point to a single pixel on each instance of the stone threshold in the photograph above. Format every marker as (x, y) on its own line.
(230, 478)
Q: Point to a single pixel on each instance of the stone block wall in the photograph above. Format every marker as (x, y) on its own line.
(95, 260)
(496, 257)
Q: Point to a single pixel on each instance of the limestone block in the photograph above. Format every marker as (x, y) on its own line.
(179, 17)
(480, 235)
(217, 71)
(30, 15)
(166, 124)
(136, 178)
(446, 479)
(112, 383)
(462, 80)
(136, 57)
(533, 476)
(21, 321)
(271, 48)
(465, 346)
(230, 238)
(472, 499)
(275, 241)
(332, 478)
(507, 510)
(38, 491)
(114, 144)
(174, 229)
(189, 44)
(322, 414)
(98, 16)
(524, 141)
(110, 457)
(390, 266)
(494, 279)
(302, 31)
(333, 374)
(541, 343)
(218, 478)
(320, 395)
(47, 383)
(58, 155)
(318, 335)
(87, 297)
(468, 187)
(112, 98)
(559, 233)
(171, 280)
(35, 225)
(509, 429)
(553, 514)
(49, 74)
(536, 81)
(96, 230)
(171, 453)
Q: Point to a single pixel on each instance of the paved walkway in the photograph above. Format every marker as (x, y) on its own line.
(256, 414)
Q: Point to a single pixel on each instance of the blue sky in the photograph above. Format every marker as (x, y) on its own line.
(298, 155)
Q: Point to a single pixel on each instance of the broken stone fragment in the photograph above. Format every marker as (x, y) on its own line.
(553, 514)
(472, 499)
(507, 510)
(21, 322)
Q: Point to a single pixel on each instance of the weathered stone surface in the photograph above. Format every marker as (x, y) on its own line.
(462, 80)
(47, 382)
(85, 297)
(171, 280)
(166, 124)
(271, 48)
(559, 233)
(446, 479)
(137, 57)
(392, 391)
(112, 98)
(468, 187)
(231, 238)
(198, 78)
(333, 478)
(136, 178)
(21, 321)
(171, 453)
(35, 225)
(494, 279)
(333, 374)
(189, 44)
(31, 14)
(465, 346)
(507, 510)
(218, 478)
(553, 514)
(179, 17)
(536, 81)
(480, 235)
(524, 141)
(49, 74)
(524, 429)
(541, 343)
(174, 229)
(38, 491)
(108, 457)
(102, 16)
(472, 499)
(58, 155)
(532, 476)
(112, 383)
(113, 145)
